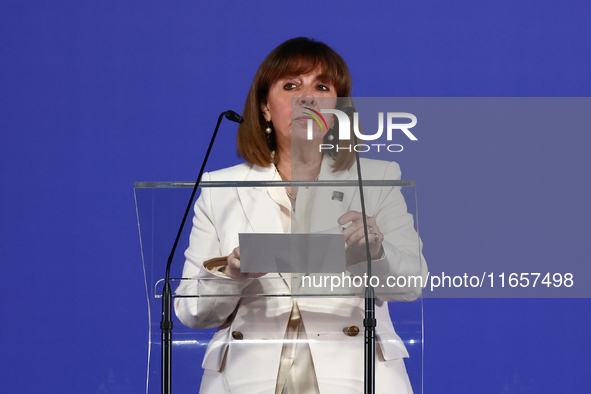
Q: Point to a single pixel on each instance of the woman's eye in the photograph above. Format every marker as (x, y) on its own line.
(323, 88)
(289, 86)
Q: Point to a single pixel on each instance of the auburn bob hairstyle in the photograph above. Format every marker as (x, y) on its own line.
(297, 56)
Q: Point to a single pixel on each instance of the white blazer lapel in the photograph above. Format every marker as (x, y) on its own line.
(261, 211)
(263, 214)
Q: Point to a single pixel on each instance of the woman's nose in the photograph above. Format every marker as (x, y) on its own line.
(307, 100)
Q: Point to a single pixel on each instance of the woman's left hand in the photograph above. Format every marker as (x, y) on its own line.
(355, 237)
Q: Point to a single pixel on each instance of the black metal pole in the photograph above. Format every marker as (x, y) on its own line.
(370, 322)
(166, 327)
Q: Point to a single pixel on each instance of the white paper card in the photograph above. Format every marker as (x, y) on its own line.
(293, 253)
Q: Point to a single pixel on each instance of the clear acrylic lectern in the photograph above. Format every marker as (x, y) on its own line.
(298, 260)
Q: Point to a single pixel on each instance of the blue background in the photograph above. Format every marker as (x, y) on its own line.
(97, 95)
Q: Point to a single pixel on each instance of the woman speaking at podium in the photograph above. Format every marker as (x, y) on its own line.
(289, 345)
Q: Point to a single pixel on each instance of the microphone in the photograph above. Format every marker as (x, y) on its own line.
(349, 111)
(166, 322)
(233, 116)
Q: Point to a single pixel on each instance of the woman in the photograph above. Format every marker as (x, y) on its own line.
(283, 344)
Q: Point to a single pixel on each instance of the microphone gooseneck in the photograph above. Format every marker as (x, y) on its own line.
(166, 323)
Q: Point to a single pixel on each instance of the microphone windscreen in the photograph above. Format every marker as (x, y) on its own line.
(349, 111)
(233, 116)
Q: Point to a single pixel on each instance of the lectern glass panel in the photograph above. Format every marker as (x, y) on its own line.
(306, 288)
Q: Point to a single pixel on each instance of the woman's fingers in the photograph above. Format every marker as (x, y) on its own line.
(234, 258)
(374, 236)
(233, 268)
(349, 217)
(355, 232)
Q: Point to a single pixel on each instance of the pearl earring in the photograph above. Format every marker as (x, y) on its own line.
(330, 137)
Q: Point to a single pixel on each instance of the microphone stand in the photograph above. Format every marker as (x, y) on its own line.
(369, 322)
(166, 323)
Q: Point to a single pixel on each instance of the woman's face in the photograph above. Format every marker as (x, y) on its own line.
(288, 116)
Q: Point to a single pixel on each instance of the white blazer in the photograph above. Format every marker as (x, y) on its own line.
(244, 354)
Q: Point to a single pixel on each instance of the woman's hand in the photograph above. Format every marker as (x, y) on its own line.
(233, 267)
(355, 237)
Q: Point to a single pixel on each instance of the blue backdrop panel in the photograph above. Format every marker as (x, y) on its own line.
(97, 95)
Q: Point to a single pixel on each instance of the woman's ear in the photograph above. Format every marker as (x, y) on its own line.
(266, 112)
